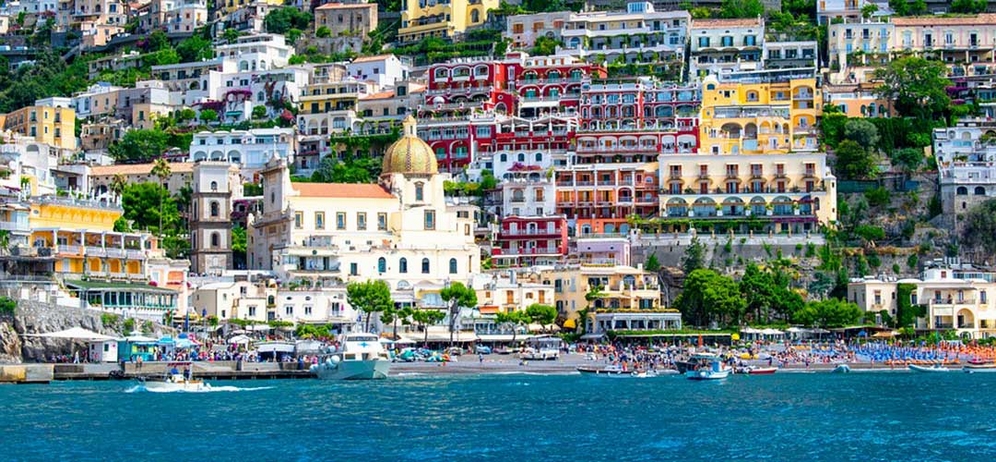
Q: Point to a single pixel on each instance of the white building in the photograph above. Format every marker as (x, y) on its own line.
(257, 52)
(95, 98)
(382, 70)
(966, 163)
(633, 35)
(722, 46)
(249, 149)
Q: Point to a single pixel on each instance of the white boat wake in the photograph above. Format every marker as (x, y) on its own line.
(141, 388)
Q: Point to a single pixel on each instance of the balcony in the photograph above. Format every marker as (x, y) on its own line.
(92, 251)
(529, 232)
(135, 254)
(69, 249)
(534, 251)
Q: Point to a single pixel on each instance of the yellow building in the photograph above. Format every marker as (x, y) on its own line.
(629, 298)
(422, 18)
(79, 236)
(55, 126)
(759, 118)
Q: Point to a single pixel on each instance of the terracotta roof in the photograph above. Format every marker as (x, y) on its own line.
(982, 19)
(365, 59)
(714, 23)
(138, 169)
(365, 191)
(380, 95)
(338, 6)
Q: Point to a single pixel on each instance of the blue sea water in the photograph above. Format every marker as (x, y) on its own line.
(858, 416)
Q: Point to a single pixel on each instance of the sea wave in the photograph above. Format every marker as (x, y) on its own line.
(140, 388)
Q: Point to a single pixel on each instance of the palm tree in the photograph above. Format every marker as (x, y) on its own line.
(118, 185)
(162, 170)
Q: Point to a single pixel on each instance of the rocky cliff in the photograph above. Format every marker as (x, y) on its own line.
(34, 317)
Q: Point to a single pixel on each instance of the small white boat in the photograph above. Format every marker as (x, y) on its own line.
(841, 369)
(611, 370)
(934, 368)
(175, 380)
(362, 358)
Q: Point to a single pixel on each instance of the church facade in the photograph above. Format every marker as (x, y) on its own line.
(399, 230)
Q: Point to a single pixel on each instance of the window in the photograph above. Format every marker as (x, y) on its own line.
(319, 220)
(419, 192)
(289, 310)
(430, 219)
(704, 42)
(425, 266)
(340, 220)
(215, 209)
(307, 310)
(381, 221)
(298, 220)
(361, 221)
(403, 265)
(381, 265)
(215, 240)
(353, 269)
(453, 266)
(214, 185)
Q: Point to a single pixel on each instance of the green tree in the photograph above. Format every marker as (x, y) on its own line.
(395, 315)
(908, 160)
(156, 41)
(139, 146)
(194, 48)
(862, 132)
(118, 185)
(652, 264)
(854, 162)
(709, 296)
(325, 172)
(917, 86)
(968, 6)
(918, 8)
(741, 9)
(694, 257)
(512, 319)
(161, 170)
(458, 296)
(231, 35)
(545, 46)
(900, 7)
(426, 318)
(979, 227)
(259, 112)
(869, 233)
(239, 241)
(8, 308)
(149, 206)
(543, 315)
(323, 32)
(372, 296)
(829, 313)
(209, 115)
(121, 225)
(868, 10)
(282, 20)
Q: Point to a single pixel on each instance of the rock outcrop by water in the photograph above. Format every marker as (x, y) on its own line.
(34, 317)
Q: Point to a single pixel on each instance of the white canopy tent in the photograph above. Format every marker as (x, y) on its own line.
(75, 333)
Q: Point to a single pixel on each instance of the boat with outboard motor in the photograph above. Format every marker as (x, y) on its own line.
(932, 368)
(362, 357)
(709, 369)
(175, 380)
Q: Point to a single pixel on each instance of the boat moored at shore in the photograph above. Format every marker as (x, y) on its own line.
(362, 358)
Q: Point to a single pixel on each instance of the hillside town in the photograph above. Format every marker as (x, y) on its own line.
(476, 171)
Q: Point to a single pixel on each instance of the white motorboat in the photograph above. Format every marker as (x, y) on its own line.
(934, 368)
(174, 380)
(362, 358)
(711, 370)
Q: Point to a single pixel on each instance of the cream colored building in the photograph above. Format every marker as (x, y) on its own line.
(400, 230)
(101, 177)
(625, 291)
(955, 299)
(721, 46)
(53, 124)
(794, 192)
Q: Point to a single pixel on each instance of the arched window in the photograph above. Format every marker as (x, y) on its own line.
(962, 191)
(403, 265)
(522, 157)
(381, 265)
(539, 157)
(980, 191)
(214, 185)
(425, 266)
(453, 266)
(215, 209)
(504, 157)
(215, 240)
(419, 192)
(475, 16)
